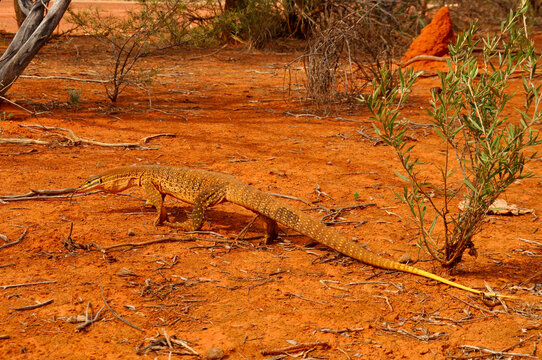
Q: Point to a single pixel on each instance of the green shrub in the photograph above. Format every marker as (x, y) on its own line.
(484, 148)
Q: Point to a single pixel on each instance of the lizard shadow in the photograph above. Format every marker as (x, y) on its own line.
(216, 218)
(219, 219)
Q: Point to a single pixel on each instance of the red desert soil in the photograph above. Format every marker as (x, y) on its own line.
(229, 113)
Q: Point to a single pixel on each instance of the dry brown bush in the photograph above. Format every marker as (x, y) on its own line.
(352, 41)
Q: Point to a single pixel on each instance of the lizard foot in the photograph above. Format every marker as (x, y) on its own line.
(185, 225)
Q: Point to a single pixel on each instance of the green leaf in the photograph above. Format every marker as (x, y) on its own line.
(404, 178)
(470, 185)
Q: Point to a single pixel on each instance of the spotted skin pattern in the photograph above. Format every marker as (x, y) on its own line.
(205, 189)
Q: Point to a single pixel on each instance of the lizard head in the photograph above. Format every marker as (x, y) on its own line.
(110, 181)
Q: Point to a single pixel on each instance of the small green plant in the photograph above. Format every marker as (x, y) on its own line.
(74, 96)
(483, 147)
(4, 116)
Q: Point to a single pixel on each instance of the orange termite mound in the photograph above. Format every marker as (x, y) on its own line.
(434, 38)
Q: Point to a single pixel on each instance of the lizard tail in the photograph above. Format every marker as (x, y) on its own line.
(343, 245)
(282, 213)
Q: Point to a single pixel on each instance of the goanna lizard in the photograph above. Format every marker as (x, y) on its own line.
(204, 189)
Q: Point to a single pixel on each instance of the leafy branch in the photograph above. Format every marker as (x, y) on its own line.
(484, 148)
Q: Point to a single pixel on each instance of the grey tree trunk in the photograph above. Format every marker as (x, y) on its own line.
(32, 35)
(22, 8)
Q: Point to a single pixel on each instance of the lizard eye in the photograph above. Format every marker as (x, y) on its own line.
(101, 180)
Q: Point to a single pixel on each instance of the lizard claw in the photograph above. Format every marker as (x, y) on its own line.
(186, 225)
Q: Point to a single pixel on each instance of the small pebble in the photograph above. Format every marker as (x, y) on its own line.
(214, 354)
(404, 259)
(126, 272)
(131, 232)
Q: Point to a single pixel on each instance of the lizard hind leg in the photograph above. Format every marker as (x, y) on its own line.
(207, 198)
(271, 230)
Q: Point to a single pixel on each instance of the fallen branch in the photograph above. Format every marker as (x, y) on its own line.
(304, 298)
(425, 337)
(332, 214)
(73, 139)
(24, 141)
(150, 242)
(296, 348)
(7, 244)
(37, 194)
(71, 245)
(35, 306)
(147, 138)
(4, 287)
(115, 313)
(19, 153)
(17, 105)
(166, 344)
(496, 354)
(76, 140)
(53, 194)
(291, 198)
(89, 320)
(58, 77)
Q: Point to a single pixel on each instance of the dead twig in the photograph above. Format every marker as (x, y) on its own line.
(482, 310)
(35, 306)
(4, 287)
(291, 198)
(166, 343)
(71, 245)
(147, 138)
(89, 320)
(425, 337)
(341, 331)
(304, 298)
(19, 153)
(296, 348)
(57, 77)
(243, 232)
(24, 141)
(530, 278)
(332, 214)
(17, 105)
(21, 237)
(489, 352)
(386, 299)
(376, 140)
(150, 242)
(73, 139)
(37, 194)
(115, 313)
(319, 192)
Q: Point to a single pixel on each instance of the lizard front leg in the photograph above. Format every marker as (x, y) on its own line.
(207, 198)
(156, 199)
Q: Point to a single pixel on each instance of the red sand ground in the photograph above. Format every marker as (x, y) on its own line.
(229, 113)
